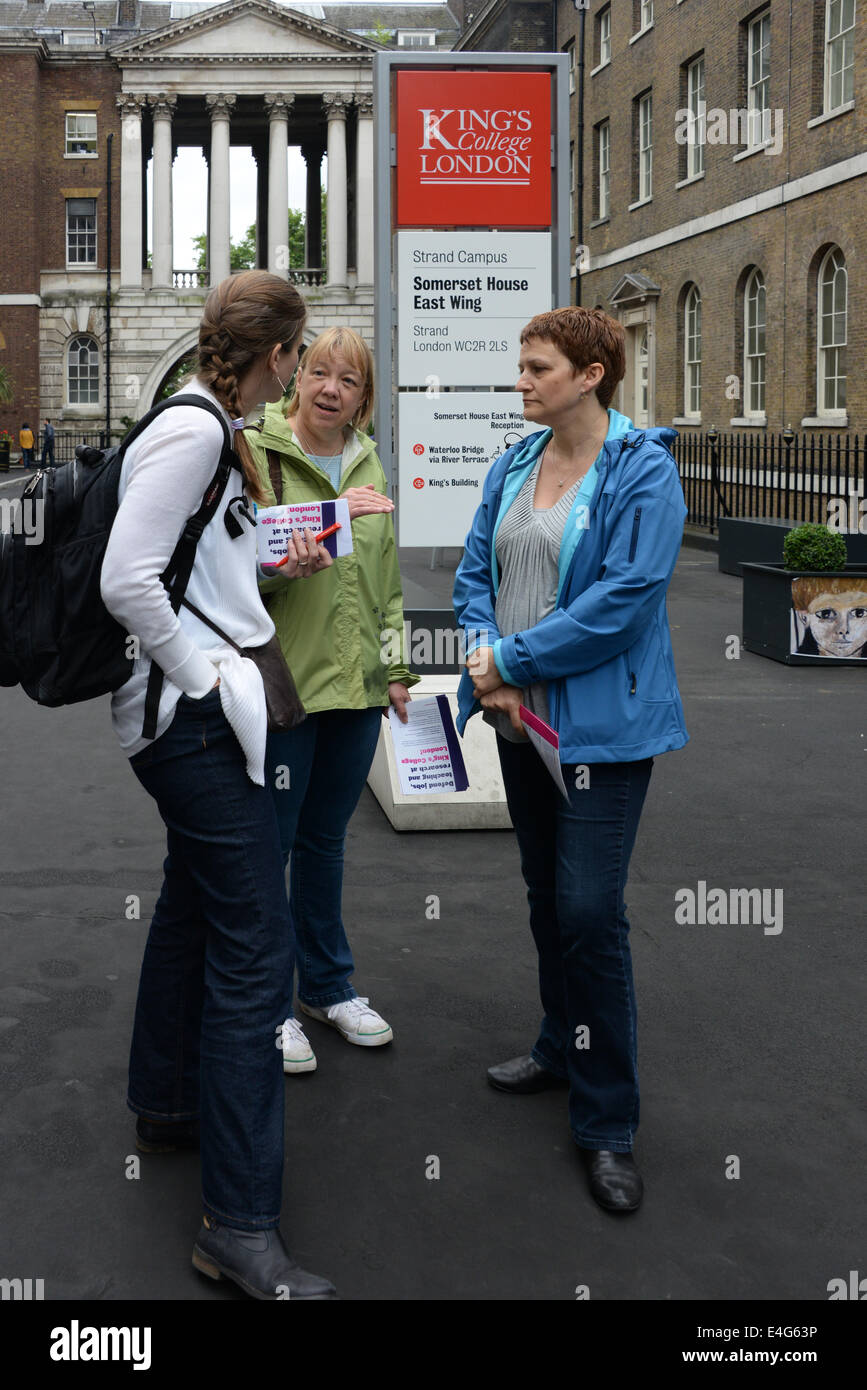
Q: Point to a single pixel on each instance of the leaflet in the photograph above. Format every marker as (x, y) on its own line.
(426, 748)
(274, 525)
(546, 742)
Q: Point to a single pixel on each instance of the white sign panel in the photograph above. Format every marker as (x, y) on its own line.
(446, 444)
(463, 298)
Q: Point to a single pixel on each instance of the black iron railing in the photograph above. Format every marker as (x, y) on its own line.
(800, 477)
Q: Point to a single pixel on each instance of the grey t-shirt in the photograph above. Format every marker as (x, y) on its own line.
(528, 549)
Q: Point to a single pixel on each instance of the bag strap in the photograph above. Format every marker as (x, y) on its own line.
(275, 473)
(176, 575)
(213, 626)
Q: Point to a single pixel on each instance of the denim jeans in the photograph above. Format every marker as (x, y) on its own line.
(213, 986)
(325, 762)
(575, 861)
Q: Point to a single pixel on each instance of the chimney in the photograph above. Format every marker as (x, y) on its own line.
(126, 14)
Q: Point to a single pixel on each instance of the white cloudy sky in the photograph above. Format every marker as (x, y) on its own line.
(190, 195)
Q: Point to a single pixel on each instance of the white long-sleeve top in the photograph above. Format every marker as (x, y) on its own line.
(165, 474)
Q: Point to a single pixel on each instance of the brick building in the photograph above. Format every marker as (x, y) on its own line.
(723, 202)
(147, 78)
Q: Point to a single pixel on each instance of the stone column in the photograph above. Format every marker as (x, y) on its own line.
(260, 155)
(220, 107)
(335, 106)
(162, 236)
(313, 210)
(364, 191)
(278, 107)
(131, 255)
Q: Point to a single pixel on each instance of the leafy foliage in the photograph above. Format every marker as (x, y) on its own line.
(7, 386)
(813, 547)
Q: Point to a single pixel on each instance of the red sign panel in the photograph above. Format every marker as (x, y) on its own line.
(473, 149)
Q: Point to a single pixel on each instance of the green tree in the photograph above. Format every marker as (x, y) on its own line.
(380, 33)
(7, 387)
(242, 254)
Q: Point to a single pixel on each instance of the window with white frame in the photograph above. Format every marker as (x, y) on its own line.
(696, 131)
(82, 371)
(81, 133)
(604, 30)
(646, 14)
(569, 50)
(416, 38)
(832, 321)
(759, 80)
(80, 231)
(754, 345)
(604, 168)
(839, 53)
(692, 353)
(645, 147)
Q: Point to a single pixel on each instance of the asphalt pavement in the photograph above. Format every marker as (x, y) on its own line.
(750, 1040)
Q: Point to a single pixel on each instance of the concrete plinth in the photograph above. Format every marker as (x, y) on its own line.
(481, 807)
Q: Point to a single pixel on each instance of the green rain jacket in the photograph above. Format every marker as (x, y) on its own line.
(334, 626)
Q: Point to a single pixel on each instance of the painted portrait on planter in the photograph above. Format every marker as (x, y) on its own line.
(829, 617)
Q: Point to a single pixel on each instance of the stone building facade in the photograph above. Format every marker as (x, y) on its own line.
(723, 201)
(727, 232)
(249, 72)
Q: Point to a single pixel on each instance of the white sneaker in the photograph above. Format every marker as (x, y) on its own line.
(355, 1020)
(297, 1052)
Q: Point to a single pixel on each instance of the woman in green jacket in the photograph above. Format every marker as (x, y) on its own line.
(334, 632)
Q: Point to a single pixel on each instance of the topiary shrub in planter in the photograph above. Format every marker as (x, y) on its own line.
(811, 609)
(812, 547)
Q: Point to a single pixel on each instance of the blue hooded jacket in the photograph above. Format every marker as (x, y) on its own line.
(605, 649)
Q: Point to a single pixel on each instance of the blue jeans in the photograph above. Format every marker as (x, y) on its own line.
(325, 762)
(213, 986)
(575, 861)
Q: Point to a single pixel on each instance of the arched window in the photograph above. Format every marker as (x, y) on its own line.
(832, 325)
(692, 353)
(82, 371)
(754, 345)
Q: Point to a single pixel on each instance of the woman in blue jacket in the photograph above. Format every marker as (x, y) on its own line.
(561, 592)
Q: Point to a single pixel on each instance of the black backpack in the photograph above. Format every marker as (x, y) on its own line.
(58, 640)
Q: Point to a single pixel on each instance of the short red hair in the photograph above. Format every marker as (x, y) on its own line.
(584, 336)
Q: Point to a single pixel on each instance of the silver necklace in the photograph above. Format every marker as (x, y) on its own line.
(307, 449)
(561, 481)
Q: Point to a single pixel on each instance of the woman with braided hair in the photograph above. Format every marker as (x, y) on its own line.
(214, 987)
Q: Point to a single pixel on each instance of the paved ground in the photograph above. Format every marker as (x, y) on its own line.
(751, 1044)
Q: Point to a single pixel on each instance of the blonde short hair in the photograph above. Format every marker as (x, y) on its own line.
(347, 343)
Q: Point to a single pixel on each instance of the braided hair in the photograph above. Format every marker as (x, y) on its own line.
(245, 316)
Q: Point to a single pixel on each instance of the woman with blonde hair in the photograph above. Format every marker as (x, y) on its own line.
(314, 450)
(212, 996)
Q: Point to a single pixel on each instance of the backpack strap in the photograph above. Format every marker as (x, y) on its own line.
(275, 473)
(176, 574)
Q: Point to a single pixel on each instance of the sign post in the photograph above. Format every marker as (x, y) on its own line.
(472, 212)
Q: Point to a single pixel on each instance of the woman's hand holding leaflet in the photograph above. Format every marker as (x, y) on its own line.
(305, 556)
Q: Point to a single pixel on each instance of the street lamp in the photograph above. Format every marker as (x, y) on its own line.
(91, 7)
(788, 436)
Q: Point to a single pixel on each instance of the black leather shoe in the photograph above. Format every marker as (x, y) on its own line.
(165, 1137)
(615, 1182)
(258, 1262)
(522, 1076)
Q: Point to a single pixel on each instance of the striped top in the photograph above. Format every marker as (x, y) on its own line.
(528, 549)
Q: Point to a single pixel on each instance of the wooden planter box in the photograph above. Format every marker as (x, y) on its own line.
(5, 449)
(769, 626)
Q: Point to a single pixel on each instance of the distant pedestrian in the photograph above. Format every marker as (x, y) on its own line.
(25, 439)
(47, 444)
